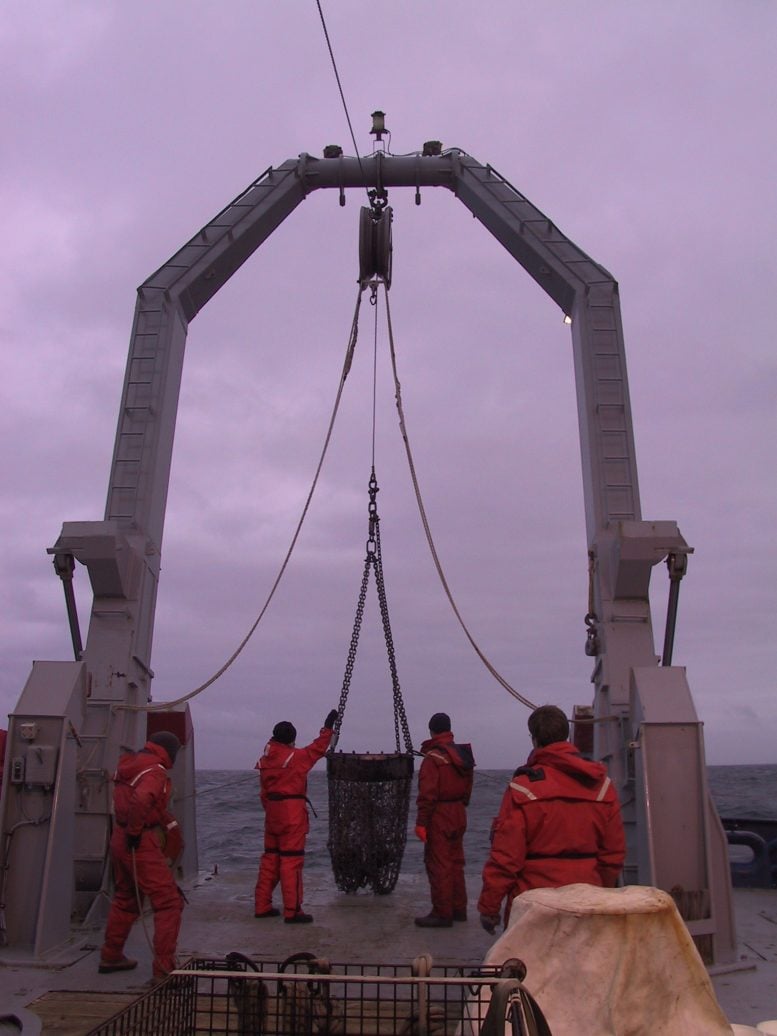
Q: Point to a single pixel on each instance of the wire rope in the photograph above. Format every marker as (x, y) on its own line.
(165, 706)
(374, 301)
(342, 94)
(427, 528)
(232, 783)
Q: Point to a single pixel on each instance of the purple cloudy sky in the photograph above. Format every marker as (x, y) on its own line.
(644, 130)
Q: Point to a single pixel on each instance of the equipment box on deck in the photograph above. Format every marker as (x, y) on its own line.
(306, 994)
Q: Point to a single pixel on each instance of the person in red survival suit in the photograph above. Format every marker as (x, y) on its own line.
(559, 822)
(444, 790)
(283, 777)
(146, 837)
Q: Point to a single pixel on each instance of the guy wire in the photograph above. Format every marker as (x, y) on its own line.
(340, 88)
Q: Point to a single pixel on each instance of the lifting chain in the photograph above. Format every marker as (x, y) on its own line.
(374, 560)
(592, 645)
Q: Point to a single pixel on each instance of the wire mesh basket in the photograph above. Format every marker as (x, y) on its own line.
(369, 800)
(308, 995)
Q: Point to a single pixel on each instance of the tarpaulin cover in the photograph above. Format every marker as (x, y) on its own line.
(614, 962)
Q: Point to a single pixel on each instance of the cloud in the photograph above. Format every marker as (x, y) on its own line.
(640, 134)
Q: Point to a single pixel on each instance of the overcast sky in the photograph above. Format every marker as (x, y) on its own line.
(645, 131)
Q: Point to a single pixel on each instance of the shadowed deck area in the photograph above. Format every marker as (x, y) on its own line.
(359, 928)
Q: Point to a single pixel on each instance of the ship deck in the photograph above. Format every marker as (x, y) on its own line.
(67, 996)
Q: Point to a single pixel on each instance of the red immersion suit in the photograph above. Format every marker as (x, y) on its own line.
(559, 823)
(283, 772)
(444, 789)
(140, 799)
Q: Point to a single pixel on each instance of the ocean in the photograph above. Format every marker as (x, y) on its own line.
(230, 819)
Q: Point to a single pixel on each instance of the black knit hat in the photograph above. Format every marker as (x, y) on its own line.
(167, 740)
(439, 723)
(284, 732)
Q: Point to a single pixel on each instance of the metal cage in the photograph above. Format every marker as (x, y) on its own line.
(210, 997)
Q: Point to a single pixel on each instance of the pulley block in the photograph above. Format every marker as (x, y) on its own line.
(375, 246)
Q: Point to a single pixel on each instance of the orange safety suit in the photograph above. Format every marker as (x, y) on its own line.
(444, 790)
(283, 772)
(559, 823)
(140, 799)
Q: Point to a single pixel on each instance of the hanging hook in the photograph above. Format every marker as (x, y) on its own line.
(378, 195)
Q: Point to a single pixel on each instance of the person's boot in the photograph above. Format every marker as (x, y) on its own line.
(299, 918)
(272, 912)
(459, 915)
(434, 921)
(122, 964)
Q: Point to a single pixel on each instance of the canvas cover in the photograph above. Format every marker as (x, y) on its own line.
(610, 962)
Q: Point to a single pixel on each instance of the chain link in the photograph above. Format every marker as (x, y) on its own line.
(374, 559)
(399, 706)
(351, 661)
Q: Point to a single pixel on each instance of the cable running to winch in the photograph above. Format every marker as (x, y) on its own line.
(427, 529)
(374, 304)
(374, 561)
(342, 94)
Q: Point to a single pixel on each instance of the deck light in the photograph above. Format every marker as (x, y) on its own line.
(378, 125)
(567, 318)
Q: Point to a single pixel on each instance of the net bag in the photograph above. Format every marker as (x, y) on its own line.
(369, 798)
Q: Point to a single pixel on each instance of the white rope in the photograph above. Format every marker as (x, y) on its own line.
(164, 706)
(424, 520)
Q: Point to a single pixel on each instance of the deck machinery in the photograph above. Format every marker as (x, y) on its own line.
(72, 718)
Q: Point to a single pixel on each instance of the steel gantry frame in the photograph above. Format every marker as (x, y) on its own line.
(65, 734)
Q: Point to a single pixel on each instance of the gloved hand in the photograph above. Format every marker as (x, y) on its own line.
(329, 722)
(133, 842)
(489, 922)
(420, 832)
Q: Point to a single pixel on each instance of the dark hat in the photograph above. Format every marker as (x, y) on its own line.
(439, 723)
(167, 740)
(284, 732)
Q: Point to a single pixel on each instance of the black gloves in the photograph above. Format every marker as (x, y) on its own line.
(329, 722)
(133, 842)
